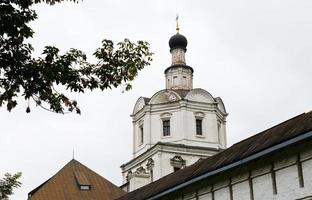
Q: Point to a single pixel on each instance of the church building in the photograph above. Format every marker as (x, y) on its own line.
(180, 153)
(176, 127)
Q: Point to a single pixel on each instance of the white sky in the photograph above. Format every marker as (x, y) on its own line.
(255, 55)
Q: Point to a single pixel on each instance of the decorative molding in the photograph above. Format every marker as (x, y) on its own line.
(199, 115)
(129, 176)
(177, 161)
(141, 122)
(141, 172)
(220, 106)
(150, 164)
(165, 115)
(159, 148)
(139, 105)
(165, 96)
(200, 95)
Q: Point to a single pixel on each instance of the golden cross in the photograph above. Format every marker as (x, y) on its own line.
(177, 20)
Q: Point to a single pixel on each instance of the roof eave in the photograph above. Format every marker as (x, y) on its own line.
(235, 164)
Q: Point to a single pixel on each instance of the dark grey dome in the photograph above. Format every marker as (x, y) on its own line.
(178, 41)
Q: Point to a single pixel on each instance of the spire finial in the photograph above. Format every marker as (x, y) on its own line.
(73, 153)
(177, 20)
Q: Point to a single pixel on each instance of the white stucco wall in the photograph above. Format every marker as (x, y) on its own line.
(287, 182)
(182, 116)
(241, 190)
(222, 193)
(263, 183)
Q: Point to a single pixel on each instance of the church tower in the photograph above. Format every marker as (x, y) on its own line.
(176, 127)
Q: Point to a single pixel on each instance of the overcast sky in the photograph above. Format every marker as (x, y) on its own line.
(255, 55)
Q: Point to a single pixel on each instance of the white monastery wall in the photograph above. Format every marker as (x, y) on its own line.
(241, 191)
(259, 183)
(262, 186)
(222, 193)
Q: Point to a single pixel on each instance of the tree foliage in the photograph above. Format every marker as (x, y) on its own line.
(8, 183)
(40, 79)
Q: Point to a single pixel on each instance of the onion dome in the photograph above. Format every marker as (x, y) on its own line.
(178, 41)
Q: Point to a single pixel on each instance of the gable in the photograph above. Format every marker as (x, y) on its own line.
(200, 95)
(140, 103)
(220, 104)
(165, 96)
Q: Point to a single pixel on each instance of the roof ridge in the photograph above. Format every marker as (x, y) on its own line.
(45, 182)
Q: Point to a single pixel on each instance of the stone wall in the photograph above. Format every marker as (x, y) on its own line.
(289, 177)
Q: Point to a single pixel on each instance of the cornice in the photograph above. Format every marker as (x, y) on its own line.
(168, 148)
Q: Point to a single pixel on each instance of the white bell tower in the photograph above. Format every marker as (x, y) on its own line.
(176, 127)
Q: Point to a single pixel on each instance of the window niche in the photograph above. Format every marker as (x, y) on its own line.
(175, 80)
(199, 127)
(141, 133)
(199, 116)
(219, 130)
(184, 80)
(166, 129)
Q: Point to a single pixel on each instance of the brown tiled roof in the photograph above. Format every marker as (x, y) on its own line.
(280, 133)
(64, 185)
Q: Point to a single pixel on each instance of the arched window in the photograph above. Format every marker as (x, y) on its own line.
(140, 132)
(199, 116)
(165, 118)
(166, 127)
(219, 130)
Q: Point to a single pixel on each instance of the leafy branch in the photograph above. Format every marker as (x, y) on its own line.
(8, 183)
(38, 78)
